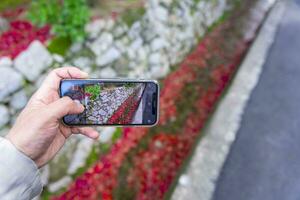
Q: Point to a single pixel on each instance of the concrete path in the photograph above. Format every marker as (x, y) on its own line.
(264, 161)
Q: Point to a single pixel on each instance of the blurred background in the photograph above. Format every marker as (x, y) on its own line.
(228, 71)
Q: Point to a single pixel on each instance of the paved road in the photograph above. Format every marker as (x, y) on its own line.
(264, 162)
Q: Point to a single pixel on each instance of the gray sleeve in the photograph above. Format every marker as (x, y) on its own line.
(19, 176)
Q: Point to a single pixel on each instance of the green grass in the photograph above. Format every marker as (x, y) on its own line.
(94, 90)
(10, 4)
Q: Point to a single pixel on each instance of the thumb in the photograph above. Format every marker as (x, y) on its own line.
(65, 106)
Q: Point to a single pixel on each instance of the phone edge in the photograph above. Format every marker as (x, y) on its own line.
(116, 125)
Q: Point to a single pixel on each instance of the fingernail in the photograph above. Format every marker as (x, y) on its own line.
(78, 103)
(85, 74)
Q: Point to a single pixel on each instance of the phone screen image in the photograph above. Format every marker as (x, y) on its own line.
(109, 102)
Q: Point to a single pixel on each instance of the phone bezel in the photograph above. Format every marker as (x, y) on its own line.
(117, 80)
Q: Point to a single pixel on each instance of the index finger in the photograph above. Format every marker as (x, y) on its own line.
(53, 79)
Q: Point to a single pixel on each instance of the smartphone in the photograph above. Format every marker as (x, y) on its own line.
(110, 102)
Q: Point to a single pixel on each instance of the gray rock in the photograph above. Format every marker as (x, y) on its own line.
(13, 116)
(82, 62)
(58, 58)
(80, 155)
(110, 112)
(166, 2)
(102, 43)
(92, 118)
(131, 53)
(120, 30)
(135, 30)
(76, 47)
(109, 24)
(159, 71)
(6, 62)
(148, 34)
(155, 58)
(125, 40)
(94, 28)
(132, 65)
(4, 131)
(106, 134)
(18, 100)
(137, 43)
(161, 13)
(108, 72)
(4, 113)
(108, 57)
(37, 83)
(184, 180)
(102, 112)
(61, 183)
(120, 46)
(142, 54)
(33, 61)
(158, 43)
(10, 81)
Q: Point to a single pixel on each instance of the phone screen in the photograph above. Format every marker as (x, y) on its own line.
(112, 102)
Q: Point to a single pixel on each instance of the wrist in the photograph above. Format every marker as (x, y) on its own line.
(10, 138)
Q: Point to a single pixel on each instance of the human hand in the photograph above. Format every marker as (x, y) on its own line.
(38, 131)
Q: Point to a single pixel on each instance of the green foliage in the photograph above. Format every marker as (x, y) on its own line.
(104, 148)
(129, 85)
(117, 134)
(43, 12)
(132, 15)
(59, 45)
(94, 90)
(67, 17)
